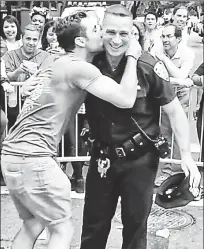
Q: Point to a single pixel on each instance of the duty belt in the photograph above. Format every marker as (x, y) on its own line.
(133, 148)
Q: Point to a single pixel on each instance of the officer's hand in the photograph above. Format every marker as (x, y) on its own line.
(28, 86)
(134, 49)
(190, 168)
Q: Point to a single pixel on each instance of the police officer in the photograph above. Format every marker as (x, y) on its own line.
(124, 159)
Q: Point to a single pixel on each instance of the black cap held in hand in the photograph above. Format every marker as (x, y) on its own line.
(174, 192)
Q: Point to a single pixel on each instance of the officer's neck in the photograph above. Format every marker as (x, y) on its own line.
(114, 60)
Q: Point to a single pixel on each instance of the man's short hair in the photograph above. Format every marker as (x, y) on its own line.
(67, 30)
(178, 7)
(30, 27)
(177, 31)
(151, 12)
(118, 10)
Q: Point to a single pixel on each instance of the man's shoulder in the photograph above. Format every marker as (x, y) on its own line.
(13, 53)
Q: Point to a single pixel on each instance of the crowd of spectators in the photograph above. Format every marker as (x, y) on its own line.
(25, 52)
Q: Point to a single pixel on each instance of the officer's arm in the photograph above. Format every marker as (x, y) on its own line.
(179, 124)
(180, 127)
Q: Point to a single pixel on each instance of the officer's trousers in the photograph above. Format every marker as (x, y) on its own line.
(133, 181)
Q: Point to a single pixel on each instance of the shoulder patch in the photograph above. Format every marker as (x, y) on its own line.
(161, 71)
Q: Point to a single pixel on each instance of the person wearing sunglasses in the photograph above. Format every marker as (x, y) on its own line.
(39, 188)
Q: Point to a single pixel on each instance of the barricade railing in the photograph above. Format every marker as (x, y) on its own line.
(78, 156)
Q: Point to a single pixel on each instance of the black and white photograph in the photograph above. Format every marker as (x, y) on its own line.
(102, 124)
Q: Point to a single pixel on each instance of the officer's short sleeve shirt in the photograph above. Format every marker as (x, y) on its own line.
(114, 125)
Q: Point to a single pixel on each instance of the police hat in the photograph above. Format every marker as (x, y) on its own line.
(174, 192)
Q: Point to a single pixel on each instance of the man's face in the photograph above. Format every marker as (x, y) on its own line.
(169, 39)
(30, 41)
(180, 18)
(94, 41)
(116, 34)
(150, 21)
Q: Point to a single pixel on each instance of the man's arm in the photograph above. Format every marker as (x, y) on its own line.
(122, 95)
(181, 82)
(173, 70)
(13, 76)
(180, 127)
(11, 70)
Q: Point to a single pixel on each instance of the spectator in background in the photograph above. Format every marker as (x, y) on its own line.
(49, 39)
(197, 78)
(192, 20)
(167, 16)
(138, 32)
(4, 85)
(3, 117)
(39, 17)
(178, 60)
(201, 27)
(180, 20)
(10, 34)
(152, 33)
(77, 180)
(21, 63)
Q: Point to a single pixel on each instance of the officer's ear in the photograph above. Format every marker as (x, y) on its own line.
(80, 41)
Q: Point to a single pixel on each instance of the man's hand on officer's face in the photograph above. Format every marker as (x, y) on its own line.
(28, 86)
(134, 49)
(190, 168)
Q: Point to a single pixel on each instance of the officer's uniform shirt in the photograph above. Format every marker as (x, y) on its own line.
(112, 125)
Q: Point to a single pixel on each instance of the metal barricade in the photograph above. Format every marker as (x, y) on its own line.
(171, 159)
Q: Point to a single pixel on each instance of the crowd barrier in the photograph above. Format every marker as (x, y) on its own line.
(85, 157)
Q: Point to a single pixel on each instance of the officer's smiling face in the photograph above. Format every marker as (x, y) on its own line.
(116, 34)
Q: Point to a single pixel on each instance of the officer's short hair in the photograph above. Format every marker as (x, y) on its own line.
(118, 10)
(30, 27)
(177, 31)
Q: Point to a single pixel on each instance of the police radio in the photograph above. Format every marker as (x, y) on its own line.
(160, 143)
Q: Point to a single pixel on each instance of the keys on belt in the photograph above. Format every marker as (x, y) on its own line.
(103, 163)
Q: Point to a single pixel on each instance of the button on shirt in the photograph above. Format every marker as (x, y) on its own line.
(112, 125)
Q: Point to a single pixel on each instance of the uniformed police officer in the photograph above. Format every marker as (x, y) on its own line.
(124, 161)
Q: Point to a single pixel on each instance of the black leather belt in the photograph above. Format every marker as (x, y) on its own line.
(133, 148)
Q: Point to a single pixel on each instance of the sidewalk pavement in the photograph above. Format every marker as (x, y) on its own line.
(184, 225)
